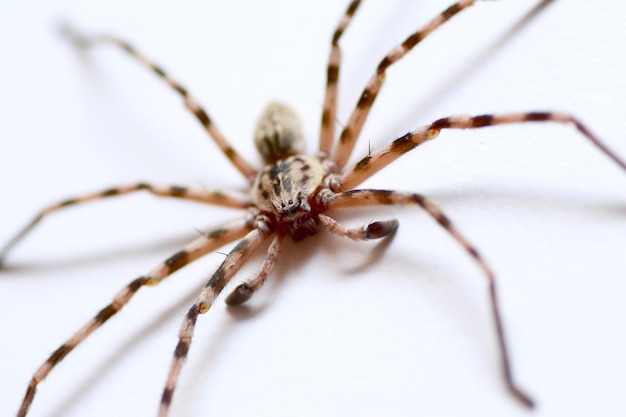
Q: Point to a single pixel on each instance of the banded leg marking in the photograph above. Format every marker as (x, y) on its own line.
(373, 163)
(192, 251)
(244, 291)
(347, 139)
(373, 230)
(366, 198)
(191, 103)
(233, 262)
(219, 198)
(329, 111)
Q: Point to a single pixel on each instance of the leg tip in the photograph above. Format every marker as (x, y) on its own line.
(380, 229)
(67, 31)
(523, 398)
(240, 295)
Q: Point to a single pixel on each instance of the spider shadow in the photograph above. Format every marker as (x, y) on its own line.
(172, 243)
(485, 194)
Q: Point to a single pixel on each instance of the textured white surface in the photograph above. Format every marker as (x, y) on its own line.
(409, 335)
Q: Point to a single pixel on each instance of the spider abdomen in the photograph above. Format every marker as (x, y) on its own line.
(278, 133)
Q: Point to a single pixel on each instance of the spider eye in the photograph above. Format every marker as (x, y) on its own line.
(278, 133)
(285, 206)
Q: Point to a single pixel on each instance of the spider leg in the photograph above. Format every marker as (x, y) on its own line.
(244, 291)
(233, 262)
(374, 230)
(192, 251)
(373, 163)
(347, 139)
(384, 230)
(329, 112)
(365, 198)
(191, 103)
(220, 198)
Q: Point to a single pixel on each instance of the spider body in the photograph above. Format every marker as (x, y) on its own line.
(292, 195)
(288, 191)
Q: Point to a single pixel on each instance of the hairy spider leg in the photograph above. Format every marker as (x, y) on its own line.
(349, 135)
(373, 163)
(192, 251)
(191, 103)
(329, 111)
(366, 198)
(233, 262)
(219, 198)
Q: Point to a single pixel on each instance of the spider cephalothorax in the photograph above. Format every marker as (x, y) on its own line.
(286, 187)
(286, 191)
(292, 195)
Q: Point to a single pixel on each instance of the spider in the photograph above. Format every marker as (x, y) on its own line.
(292, 195)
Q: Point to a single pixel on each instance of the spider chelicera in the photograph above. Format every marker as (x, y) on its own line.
(293, 195)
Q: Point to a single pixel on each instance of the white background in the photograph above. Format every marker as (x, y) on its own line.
(409, 335)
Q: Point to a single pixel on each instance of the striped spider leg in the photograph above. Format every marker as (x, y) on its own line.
(244, 291)
(219, 198)
(351, 131)
(329, 112)
(291, 196)
(369, 165)
(194, 250)
(191, 252)
(281, 179)
(233, 262)
(81, 41)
